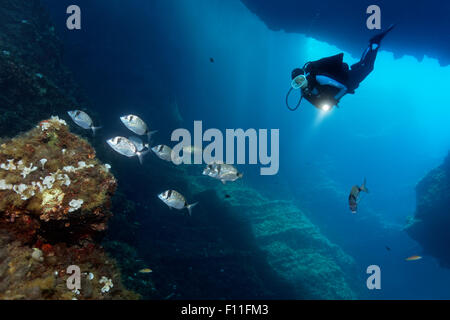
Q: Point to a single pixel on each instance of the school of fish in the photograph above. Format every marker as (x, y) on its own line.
(133, 146)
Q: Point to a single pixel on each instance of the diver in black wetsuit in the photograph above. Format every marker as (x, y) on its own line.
(324, 82)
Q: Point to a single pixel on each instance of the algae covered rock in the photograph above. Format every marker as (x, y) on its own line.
(54, 205)
(52, 179)
(431, 222)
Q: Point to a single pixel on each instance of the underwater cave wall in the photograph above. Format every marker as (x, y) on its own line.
(431, 222)
(293, 247)
(54, 206)
(34, 83)
(49, 216)
(343, 23)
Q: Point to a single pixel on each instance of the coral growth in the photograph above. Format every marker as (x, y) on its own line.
(72, 189)
(51, 213)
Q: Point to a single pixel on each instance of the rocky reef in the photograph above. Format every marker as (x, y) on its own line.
(33, 79)
(430, 224)
(293, 247)
(238, 244)
(344, 24)
(54, 204)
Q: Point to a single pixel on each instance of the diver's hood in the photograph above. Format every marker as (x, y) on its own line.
(299, 82)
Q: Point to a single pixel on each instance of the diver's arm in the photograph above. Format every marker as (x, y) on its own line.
(327, 81)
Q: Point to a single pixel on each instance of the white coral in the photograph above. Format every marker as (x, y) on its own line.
(108, 284)
(49, 181)
(27, 170)
(65, 179)
(43, 162)
(75, 205)
(5, 186)
(8, 167)
(11, 166)
(60, 121)
(20, 188)
(54, 121)
(70, 169)
(81, 165)
(37, 255)
(45, 126)
(24, 191)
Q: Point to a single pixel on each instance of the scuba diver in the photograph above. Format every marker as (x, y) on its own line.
(324, 82)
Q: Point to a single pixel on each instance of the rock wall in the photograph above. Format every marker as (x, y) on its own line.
(50, 218)
(34, 84)
(343, 24)
(430, 224)
(54, 205)
(294, 247)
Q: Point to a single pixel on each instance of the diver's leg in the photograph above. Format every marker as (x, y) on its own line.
(377, 39)
(360, 70)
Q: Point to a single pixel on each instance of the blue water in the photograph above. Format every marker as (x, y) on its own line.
(392, 131)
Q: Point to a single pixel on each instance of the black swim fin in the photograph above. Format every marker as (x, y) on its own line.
(377, 39)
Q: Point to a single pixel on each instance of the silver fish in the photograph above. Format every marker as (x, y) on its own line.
(163, 152)
(138, 143)
(212, 170)
(83, 120)
(137, 125)
(126, 147)
(223, 172)
(175, 200)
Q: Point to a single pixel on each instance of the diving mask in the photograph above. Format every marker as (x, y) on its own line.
(299, 82)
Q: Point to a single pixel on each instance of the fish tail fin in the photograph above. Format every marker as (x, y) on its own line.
(141, 156)
(363, 187)
(149, 136)
(189, 208)
(95, 129)
(240, 175)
